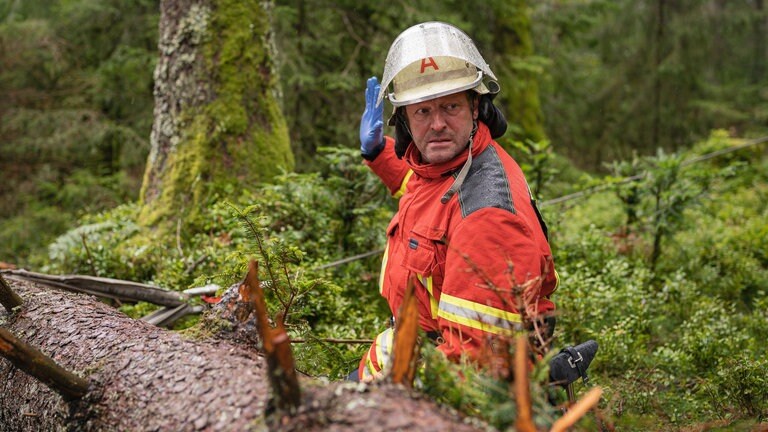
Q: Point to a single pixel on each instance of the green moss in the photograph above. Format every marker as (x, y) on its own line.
(238, 138)
(246, 118)
(206, 328)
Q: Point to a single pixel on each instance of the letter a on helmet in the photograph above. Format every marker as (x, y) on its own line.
(431, 60)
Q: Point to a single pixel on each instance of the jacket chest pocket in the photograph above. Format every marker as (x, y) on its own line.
(425, 251)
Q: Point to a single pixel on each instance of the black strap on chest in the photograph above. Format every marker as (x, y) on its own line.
(541, 219)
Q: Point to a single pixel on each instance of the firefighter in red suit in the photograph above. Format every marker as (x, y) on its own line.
(467, 232)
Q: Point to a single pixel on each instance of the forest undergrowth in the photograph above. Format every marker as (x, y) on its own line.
(668, 273)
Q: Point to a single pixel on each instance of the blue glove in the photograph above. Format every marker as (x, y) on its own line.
(372, 123)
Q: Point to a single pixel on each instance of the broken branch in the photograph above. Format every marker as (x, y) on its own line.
(578, 410)
(405, 347)
(277, 344)
(8, 298)
(524, 421)
(41, 367)
(106, 287)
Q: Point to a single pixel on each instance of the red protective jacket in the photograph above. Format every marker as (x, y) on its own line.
(468, 253)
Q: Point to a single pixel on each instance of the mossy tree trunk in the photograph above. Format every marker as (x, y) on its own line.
(518, 70)
(218, 127)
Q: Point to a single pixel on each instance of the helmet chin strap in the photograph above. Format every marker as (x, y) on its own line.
(464, 169)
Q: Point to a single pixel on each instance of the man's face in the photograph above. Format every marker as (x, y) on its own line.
(441, 127)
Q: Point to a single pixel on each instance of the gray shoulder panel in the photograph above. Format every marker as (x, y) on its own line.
(486, 185)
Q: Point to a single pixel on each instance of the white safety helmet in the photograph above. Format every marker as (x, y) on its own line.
(431, 60)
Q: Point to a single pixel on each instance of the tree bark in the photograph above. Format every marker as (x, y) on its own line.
(144, 378)
(40, 366)
(217, 124)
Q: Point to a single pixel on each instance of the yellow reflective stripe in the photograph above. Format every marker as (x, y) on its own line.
(475, 324)
(400, 192)
(379, 352)
(476, 315)
(382, 345)
(383, 348)
(427, 282)
(383, 269)
(480, 308)
(557, 280)
(369, 369)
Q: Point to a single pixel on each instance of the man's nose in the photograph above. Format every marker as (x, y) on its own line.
(437, 121)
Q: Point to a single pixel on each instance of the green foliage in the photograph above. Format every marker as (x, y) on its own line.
(684, 336)
(295, 228)
(476, 393)
(741, 380)
(629, 76)
(75, 111)
(536, 163)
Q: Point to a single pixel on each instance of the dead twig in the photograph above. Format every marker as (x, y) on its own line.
(88, 253)
(333, 340)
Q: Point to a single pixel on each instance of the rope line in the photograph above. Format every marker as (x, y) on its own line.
(636, 177)
(590, 190)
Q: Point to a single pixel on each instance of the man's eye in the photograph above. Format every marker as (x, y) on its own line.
(422, 111)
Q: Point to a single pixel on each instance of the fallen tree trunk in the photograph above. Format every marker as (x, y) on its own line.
(144, 378)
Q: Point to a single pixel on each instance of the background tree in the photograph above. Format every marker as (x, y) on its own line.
(518, 70)
(75, 114)
(630, 75)
(217, 125)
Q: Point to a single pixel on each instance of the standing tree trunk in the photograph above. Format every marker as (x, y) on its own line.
(217, 121)
(759, 32)
(657, 84)
(144, 378)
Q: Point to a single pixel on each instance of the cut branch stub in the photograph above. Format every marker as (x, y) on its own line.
(8, 298)
(277, 344)
(578, 410)
(405, 349)
(43, 368)
(282, 370)
(524, 421)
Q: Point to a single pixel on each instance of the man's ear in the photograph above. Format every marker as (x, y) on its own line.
(474, 103)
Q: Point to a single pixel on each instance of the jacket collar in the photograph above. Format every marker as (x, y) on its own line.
(433, 171)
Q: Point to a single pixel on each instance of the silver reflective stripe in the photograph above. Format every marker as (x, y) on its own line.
(476, 319)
